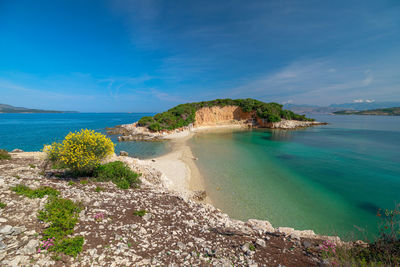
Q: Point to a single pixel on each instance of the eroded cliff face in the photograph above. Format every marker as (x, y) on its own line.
(216, 115)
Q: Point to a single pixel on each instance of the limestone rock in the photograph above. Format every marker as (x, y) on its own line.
(124, 153)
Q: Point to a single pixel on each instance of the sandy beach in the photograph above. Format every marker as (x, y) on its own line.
(179, 165)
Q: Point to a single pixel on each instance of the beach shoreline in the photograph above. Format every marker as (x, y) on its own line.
(179, 164)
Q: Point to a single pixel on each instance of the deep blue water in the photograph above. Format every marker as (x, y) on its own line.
(30, 132)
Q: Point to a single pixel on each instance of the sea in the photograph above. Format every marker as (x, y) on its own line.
(332, 178)
(31, 131)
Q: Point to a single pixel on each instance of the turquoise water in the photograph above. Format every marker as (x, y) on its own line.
(331, 179)
(30, 132)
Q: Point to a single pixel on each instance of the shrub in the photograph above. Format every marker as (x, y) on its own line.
(144, 121)
(81, 151)
(62, 215)
(4, 154)
(139, 213)
(35, 193)
(70, 246)
(119, 173)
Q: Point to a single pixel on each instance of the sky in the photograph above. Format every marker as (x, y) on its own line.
(149, 55)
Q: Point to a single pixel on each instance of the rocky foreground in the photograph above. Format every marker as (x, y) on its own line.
(173, 231)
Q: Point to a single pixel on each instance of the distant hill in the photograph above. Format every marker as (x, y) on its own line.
(366, 105)
(310, 109)
(11, 109)
(356, 106)
(382, 111)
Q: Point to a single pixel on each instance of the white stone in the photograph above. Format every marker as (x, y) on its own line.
(6, 230)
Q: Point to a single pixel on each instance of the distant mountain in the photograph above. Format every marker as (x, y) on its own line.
(310, 109)
(314, 109)
(382, 111)
(366, 105)
(11, 109)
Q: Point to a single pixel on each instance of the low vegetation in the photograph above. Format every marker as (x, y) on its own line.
(184, 114)
(2, 205)
(119, 173)
(35, 193)
(62, 216)
(4, 154)
(81, 152)
(139, 213)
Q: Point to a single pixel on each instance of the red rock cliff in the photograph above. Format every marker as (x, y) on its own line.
(216, 115)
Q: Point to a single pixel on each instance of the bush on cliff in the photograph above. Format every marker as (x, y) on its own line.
(81, 152)
(119, 173)
(184, 114)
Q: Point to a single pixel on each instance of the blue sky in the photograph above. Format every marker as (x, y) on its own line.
(139, 56)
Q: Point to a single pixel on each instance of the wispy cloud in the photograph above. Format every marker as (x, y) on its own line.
(324, 81)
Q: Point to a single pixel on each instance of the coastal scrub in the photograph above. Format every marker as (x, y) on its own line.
(81, 151)
(62, 216)
(4, 154)
(40, 192)
(119, 173)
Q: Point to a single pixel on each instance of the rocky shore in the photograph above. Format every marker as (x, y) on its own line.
(174, 230)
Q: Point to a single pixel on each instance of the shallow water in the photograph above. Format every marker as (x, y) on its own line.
(30, 132)
(331, 179)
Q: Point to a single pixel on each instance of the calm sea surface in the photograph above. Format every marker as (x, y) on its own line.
(30, 132)
(331, 179)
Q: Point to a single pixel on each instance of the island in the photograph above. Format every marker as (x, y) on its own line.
(11, 109)
(188, 117)
(395, 111)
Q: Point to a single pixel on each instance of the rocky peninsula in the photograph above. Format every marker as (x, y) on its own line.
(209, 117)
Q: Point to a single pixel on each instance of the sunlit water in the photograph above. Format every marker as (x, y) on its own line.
(30, 132)
(331, 179)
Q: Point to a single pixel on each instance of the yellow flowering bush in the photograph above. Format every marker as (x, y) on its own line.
(81, 151)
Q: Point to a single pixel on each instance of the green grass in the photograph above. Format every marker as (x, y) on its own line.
(4, 154)
(119, 173)
(84, 182)
(252, 247)
(2, 205)
(32, 166)
(70, 183)
(99, 189)
(62, 215)
(35, 193)
(139, 213)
